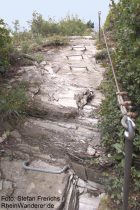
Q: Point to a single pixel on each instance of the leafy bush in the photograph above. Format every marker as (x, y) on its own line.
(57, 40)
(123, 26)
(43, 33)
(5, 41)
(39, 57)
(13, 101)
(70, 26)
(101, 55)
(66, 27)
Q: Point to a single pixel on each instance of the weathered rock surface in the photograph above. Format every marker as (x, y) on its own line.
(62, 122)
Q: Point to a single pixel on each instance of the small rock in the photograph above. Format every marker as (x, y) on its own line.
(91, 151)
(35, 149)
(20, 155)
(82, 141)
(56, 97)
(36, 63)
(34, 90)
(97, 154)
(95, 185)
(56, 68)
(43, 156)
(7, 185)
(15, 134)
(4, 136)
(49, 69)
(81, 183)
(82, 190)
(30, 188)
(61, 161)
(1, 140)
(43, 63)
(103, 195)
(24, 148)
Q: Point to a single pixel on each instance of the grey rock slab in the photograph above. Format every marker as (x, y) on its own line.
(49, 69)
(82, 131)
(95, 186)
(20, 155)
(7, 184)
(90, 122)
(79, 170)
(87, 202)
(36, 127)
(36, 184)
(81, 183)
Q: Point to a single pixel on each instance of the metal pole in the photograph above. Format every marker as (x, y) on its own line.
(127, 174)
(99, 16)
(129, 136)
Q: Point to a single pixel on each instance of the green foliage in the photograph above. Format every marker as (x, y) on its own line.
(38, 57)
(123, 27)
(13, 101)
(57, 40)
(114, 188)
(90, 24)
(4, 47)
(43, 33)
(101, 55)
(25, 47)
(16, 26)
(71, 25)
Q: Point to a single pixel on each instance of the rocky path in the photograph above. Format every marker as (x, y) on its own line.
(62, 128)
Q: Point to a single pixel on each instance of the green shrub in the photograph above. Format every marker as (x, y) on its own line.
(71, 25)
(38, 57)
(5, 41)
(123, 27)
(101, 55)
(13, 101)
(57, 40)
(26, 47)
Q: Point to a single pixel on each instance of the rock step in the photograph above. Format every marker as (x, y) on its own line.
(67, 136)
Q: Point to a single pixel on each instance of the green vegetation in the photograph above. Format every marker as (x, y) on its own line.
(71, 25)
(123, 30)
(57, 40)
(42, 33)
(5, 41)
(13, 101)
